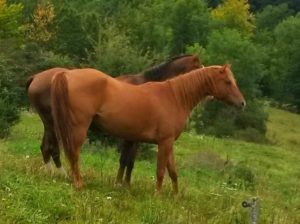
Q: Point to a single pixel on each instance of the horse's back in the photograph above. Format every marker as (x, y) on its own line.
(132, 79)
(86, 88)
(43, 79)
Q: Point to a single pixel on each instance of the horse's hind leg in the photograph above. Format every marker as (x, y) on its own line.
(55, 152)
(130, 162)
(79, 135)
(46, 153)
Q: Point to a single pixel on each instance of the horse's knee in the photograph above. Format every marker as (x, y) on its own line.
(173, 175)
(160, 175)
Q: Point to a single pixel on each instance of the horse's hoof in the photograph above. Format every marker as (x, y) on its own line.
(48, 168)
(118, 184)
(78, 185)
(157, 193)
(63, 172)
(126, 184)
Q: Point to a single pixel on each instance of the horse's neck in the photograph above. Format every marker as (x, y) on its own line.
(190, 88)
(160, 73)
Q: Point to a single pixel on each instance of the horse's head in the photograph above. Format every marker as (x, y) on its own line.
(184, 64)
(191, 62)
(225, 87)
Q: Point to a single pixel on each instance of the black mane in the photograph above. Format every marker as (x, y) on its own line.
(158, 72)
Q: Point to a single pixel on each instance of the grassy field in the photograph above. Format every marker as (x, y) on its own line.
(215, 176)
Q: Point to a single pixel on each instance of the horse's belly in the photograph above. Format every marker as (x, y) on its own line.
(129, 128)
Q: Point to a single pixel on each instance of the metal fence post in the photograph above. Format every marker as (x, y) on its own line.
(253, 207)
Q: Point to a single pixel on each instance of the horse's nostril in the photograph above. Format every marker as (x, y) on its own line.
(243, 103)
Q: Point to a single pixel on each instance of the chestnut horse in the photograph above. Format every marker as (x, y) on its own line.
(173, 67)
(38, 90)
(154, 112)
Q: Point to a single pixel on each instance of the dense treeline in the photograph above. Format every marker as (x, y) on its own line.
(261, 39)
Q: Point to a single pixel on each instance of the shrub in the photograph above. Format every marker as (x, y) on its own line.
(221, 120)
(240, 175)
(9, 97)
(9, 114)
(115, 55)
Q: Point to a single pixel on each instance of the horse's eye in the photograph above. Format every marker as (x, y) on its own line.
(228, 82)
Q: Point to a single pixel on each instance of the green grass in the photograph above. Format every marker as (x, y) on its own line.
(215, 176)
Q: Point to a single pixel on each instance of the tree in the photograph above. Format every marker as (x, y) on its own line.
(10, 42)
(271, 16)
(43, 16)
(235, 14)
(115, 55)
(190, 23)
(71, 38)
(10, 16)
(286, 67)
(228, 45)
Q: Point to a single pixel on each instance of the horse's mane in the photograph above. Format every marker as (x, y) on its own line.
(186, 87)
(157, 72)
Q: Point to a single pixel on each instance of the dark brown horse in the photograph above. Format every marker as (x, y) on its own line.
(38, 89)
(154, 112)
(169, 69)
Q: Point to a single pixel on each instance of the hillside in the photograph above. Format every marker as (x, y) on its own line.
(215, 176)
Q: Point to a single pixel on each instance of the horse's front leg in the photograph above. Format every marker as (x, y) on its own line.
(172, 171)
(122, 161)
(123, 149)
(164, 150)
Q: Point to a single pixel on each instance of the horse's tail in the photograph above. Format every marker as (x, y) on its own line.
(60, 108)
(28, 82)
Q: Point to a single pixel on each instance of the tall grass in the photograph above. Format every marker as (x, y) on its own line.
(215, 176)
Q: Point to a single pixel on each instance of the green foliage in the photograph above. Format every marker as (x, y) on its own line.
(190, 21)
(115, 55)
(43, 16)
(270, 16)
(50, 60)
(9, 101)
(120, 37)
(220, 120)
(240, 175)
(71, 38)
(10, 41)
(9, 114)
(286, 67)
(235, 14)
(148, 25)
(10, 15)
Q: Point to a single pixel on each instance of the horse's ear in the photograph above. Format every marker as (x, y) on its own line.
(225, 66)
(228, 65)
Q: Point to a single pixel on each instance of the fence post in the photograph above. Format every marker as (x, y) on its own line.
(253, 205)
